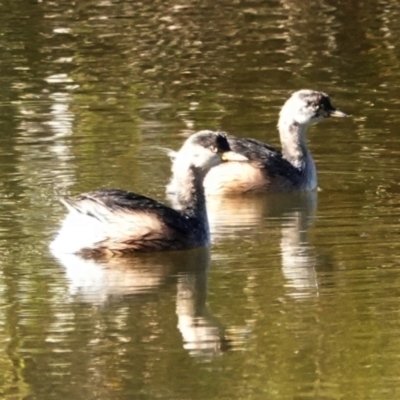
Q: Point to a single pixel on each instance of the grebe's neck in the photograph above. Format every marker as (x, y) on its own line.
(295, 150)
(294, 142)
(189, 197)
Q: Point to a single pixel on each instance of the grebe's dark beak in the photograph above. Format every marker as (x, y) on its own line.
(232, 156)
(336, 113)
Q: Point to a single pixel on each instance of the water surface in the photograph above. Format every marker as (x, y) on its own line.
(297, 297)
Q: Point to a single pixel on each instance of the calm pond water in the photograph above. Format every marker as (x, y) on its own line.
(298, 296)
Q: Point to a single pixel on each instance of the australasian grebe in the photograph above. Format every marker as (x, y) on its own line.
(268, 169)
(109, 221)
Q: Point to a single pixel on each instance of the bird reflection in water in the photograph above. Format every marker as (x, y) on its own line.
(230, 217)
(298, 256)
(99, 281)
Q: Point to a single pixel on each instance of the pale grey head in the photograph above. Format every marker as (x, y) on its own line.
(306, 107)
(204, 150)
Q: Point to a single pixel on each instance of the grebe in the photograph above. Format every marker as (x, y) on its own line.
(269, 169)
(110, 221)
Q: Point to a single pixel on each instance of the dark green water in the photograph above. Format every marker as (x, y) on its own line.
(298, 296)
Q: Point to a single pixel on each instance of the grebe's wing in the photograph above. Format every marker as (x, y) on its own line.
(264, 156)
(253, 149)
(120, 220)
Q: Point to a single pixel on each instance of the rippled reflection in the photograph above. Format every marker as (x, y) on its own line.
(102, 281)
(298, 255)
(231, 216)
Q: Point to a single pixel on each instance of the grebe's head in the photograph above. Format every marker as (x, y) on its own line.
(306, 107)
(206, 149)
